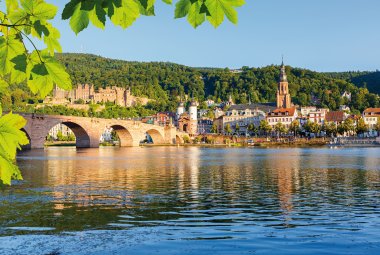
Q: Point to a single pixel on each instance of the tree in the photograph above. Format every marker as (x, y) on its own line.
(312, 127)
(214, 128)
(60, 136)
(30, 20)
(237, 128)
(71, 137)
(251, 128)
(341, 129)
(349, 125)
(330, 128)
(227, 129)
(265, 127)
(280, 128)
(361, 126)
(295, 127)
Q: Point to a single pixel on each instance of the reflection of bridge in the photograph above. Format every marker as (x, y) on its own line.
(89, 130)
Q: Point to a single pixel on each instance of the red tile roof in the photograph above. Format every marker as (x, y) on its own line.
(336, 116)
(283, 112)
(375, 112)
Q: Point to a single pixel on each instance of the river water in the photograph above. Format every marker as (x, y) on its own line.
(192, 200)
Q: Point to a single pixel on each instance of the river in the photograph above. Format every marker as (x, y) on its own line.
(193, 200)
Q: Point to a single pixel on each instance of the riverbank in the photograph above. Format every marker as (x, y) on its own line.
(229, 143)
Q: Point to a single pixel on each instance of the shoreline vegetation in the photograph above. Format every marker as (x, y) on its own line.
(315, 142)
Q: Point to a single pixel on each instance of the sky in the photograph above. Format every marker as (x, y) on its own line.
(321, 35)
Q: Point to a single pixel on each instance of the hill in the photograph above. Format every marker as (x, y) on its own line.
(166, 82)
(369, 80)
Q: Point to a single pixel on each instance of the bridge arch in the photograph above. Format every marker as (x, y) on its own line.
(156, 136)
(81, 135)
(124, 135)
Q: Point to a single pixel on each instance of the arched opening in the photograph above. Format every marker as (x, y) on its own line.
(185, 127)
(155, 136)
(121, 134)
(68, 134)
(109, 137)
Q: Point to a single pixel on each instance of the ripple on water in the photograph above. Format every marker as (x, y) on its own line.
(193, 200)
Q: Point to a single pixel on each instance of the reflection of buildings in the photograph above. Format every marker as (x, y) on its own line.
(286, 165)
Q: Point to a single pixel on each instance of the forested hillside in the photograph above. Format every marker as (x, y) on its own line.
(369, 80)
(165, 82)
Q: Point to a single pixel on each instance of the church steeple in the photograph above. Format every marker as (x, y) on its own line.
(283, 96)
(283, 77)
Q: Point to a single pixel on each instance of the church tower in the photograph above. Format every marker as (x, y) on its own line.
(283, 96)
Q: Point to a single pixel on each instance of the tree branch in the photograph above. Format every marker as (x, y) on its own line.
(34, 46)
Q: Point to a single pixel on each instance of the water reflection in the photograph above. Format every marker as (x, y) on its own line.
(197, 193)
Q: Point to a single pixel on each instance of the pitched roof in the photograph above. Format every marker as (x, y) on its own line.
(283, 112)
(375, 111)
(336, 116)
(265, 107)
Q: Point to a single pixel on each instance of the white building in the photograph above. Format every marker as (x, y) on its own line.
(65, 131)
(107, 135)
(371, 117)
(243, 115)
(282, 115)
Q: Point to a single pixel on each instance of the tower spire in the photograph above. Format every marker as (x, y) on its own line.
(283, 77)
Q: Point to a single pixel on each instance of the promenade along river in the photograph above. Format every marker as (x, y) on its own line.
(192, 200)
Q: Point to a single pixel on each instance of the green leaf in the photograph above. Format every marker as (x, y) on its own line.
(220, 8)
(146, 7)
(11, 137)
(79, 20)
(3, 87)
(10, 47)
(39, 9)
(69, 9)
(44, 75)
(98, 15)
(8, 170)
(18, 72)
(51, 40)
(182, 8)
(167, 1)
(39, 29)
(125, 15)
(58, 74)
(195, 18)
(87, 5)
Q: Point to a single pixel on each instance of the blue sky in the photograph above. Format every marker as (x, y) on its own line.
(322, 35)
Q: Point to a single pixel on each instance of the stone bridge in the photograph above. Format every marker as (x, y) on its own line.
(89, 130)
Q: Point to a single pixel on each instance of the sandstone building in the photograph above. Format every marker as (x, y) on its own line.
(188, 121)
(87, 93)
